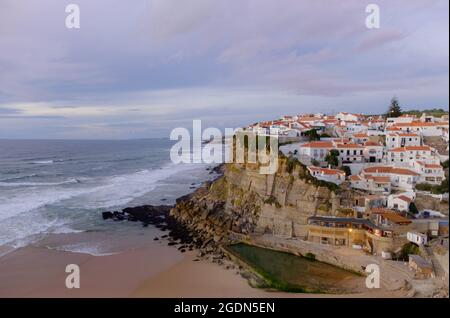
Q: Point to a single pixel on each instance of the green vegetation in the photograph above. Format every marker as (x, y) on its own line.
(325, 135)
(272, 200)
(304, 173)
(347, 170)
(312, 135)
(290, 164)
(409, 248)
(445, 164)
(332, 158)
(434, 189)
(436, 112)
(394, 109)
(310, 256)
(413, 208)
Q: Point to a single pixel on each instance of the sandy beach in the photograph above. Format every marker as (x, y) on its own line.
(151, 270)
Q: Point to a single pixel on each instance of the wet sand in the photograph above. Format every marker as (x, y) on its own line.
(133, 265)
(156, 271)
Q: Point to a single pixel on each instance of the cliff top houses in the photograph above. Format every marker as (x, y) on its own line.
(385, 158)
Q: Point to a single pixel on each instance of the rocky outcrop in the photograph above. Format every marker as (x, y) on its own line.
(243, 201)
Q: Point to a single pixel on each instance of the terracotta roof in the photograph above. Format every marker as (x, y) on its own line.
(411, 148)
(327, 171)
(349, 146)
(382, 179)
(396, 218)
(372, 143)
(355, 178)
(415, 124)
(432, 166)
(318, 144)
(361, 135)
(394, 170)
(404, 198)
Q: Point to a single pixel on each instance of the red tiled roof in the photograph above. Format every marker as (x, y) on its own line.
(411, 148)
(349, 146)
(318, 144)
(382, 169)
(404, 198)
(372, 143)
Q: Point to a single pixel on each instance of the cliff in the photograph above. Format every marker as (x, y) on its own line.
(243, 201)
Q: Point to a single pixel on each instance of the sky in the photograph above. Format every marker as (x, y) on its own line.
(138, 69)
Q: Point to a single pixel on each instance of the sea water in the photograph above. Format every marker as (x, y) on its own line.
(61, 187)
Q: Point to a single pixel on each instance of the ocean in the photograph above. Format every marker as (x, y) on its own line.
(51, 187)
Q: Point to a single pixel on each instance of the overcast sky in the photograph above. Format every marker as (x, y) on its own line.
(139, 68)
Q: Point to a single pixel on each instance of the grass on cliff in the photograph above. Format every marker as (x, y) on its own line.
(304, 174)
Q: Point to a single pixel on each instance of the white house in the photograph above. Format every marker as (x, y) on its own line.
(315, 150)
(360, 138)
(372, 184)
(399, 202)
(429, 173)
(417, 238)
(373, 151)
(326, 174)
(403, 119)
(400, 139)
(343, 116)
(350, 153)
(401, 178)
(408, 154)
(425, 129)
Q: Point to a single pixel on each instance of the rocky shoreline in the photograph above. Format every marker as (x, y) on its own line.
(204, 232)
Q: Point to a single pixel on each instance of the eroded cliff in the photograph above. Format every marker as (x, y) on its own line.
(243, 201)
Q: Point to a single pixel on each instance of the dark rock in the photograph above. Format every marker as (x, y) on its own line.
(107, 215)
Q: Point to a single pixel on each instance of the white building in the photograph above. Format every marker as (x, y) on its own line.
(373, 152)
(360, 138)
(408, 154)
(417, 238)
(372, 184)
(425, 129)
(326, 174)
(403, 119)
(401, 178)
(343, 116)
(401, 139)
(350, 153)
(429, 173)
(399, 202)
(315, 150)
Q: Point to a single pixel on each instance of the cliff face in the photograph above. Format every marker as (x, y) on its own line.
(244, 201)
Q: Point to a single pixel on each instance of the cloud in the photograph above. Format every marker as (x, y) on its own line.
(170, 60)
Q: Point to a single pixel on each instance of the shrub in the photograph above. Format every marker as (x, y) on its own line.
(272, 200)
(310, 256)
(424, 187)
(413, 208)
(409, 248)
(347, 170)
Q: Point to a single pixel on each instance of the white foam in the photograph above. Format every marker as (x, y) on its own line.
(84, 248)
(20, 217)
(44, 162)
(37, 184)
(120, 190)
